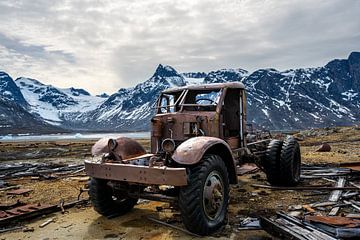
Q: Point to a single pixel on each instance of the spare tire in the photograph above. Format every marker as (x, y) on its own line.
(283, 160)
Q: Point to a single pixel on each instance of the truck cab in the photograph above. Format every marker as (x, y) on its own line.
(214, 110)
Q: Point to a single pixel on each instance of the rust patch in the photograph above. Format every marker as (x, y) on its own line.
(192, 150)
(126, 148)
(19, 192)
(337, 221)
(247, 168)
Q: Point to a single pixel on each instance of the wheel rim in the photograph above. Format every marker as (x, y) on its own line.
(213, 195)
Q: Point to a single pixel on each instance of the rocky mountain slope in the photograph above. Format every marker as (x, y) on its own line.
(14, 119)
(130, 109)
(14, 111)
(291, 99)
(52, 103)
(303, 98)
(9, 91)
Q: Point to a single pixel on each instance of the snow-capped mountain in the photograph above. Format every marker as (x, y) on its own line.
(291, 99)
(14, 111)
(301, 98)
(226, 75)
(131, 109)
(55, 104)
(9, 91)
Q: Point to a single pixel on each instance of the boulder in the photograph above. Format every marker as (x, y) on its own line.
(325, 147)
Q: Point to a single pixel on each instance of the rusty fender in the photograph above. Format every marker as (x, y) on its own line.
(192, 150)
(126, 148)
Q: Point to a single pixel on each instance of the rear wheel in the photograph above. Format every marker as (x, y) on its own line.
(290, 162)
(272, 163)
(283, 160)
(106, 201)
(203, 202)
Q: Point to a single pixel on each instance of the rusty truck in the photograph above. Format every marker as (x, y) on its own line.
(199, 138)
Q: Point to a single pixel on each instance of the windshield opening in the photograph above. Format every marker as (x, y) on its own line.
(201, 100)
(168, 102)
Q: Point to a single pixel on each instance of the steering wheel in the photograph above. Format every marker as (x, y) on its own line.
(206, 99)
(163, 108)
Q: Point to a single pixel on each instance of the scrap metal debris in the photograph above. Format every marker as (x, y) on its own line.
(23, 191)
(172, 226)
(43, 170)
(33, 210)
(305, 188)
(351, 165)
(24, 212)
(249, 224)
(288, 227)
(47, 222)
(5, 206)
(331, 218)
(3, 230)
(323, 171)
(14, 212)
(9, 188)
(247, 168)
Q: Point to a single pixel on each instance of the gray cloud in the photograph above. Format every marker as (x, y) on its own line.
(36, 51)
(119, 43)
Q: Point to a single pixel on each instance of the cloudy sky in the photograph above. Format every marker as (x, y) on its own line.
(105, 45)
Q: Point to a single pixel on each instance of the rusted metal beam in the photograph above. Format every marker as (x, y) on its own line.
(137, 174)
(314, 232)
(352, 165)
(10, 229)
(305, 188)
(32, 211)
(352, 204)
(173, 226)
(154, 197)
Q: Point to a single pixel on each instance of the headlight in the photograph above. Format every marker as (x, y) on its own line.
(112, 144)
(168, 145)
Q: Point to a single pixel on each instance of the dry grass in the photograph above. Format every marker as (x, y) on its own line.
(344, 142)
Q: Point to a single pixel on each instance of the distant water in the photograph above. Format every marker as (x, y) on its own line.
(71, 136)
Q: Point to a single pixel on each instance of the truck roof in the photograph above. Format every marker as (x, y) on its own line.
(206, 86)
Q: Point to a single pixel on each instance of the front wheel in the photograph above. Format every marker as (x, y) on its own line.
(204, 201)
(106, 201)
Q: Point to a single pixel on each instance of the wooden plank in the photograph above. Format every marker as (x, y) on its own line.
(335, 195)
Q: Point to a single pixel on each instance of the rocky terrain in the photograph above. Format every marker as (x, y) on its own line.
(84, 223)
(278, 100)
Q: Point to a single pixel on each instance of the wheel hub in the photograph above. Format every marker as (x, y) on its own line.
(213, 195)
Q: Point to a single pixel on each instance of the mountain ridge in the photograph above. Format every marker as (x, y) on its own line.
(291, 99)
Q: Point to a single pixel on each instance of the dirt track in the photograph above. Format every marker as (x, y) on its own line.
(246, 201)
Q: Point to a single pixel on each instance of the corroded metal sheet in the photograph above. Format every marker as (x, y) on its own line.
(22, 210)
(21, 191)
(334, 220)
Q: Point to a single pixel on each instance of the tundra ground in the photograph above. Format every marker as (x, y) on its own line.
(85, 223)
